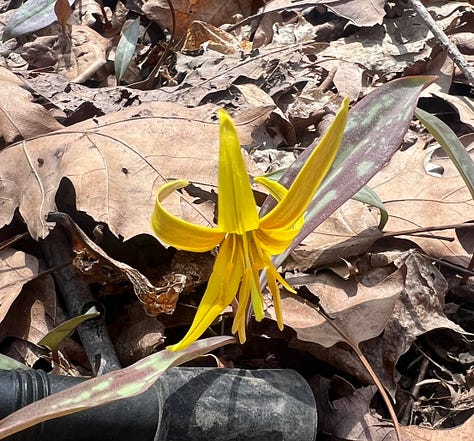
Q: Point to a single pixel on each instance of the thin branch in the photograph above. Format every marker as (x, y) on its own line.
(443, 39)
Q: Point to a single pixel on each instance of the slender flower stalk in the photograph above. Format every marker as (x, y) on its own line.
(246, 242)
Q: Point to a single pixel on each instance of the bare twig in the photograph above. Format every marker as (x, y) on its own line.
(443, 39)
(326, 84)
(405, 420)
(11, 240)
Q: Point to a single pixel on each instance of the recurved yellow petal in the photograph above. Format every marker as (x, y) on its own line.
(277, 190)
(306, 183)
(236, 204)
(177, 232)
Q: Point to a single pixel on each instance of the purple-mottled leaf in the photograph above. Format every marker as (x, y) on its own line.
(374, 131)
(107, 388)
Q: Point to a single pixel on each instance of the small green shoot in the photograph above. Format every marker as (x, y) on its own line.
(126, 48)
(53, 338)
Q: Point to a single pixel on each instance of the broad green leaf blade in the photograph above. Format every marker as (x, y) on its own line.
(368, 196)
(52, 339)
(126, 48)
(31, 16)
(107, 388)
(374, 131)
(450, 143)
(7, 363)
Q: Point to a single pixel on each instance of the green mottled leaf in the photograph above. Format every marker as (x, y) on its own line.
(368, 196)
(8, 363)
(374, 131)
(52, 339)
(31, 16)
(126, 48)
(450, 143)
(107, 388)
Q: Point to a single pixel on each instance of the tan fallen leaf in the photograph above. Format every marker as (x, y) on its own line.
(116, 163)
(348, 77)
(464, 107)
(348, 416)
(414, 198)
(20, 118)
(17, 268)
(360, 311)
(358, 12)
(464, 432)
(416, 309)
(200, 34)
(214, 12)
(78, 57)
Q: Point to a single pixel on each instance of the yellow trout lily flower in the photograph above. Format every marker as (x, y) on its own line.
(246, 241)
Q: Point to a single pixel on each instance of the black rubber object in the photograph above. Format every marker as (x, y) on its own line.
(185, 404)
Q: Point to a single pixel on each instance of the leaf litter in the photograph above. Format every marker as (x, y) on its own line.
(281, 67)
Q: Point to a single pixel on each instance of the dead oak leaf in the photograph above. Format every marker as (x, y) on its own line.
(116, 163)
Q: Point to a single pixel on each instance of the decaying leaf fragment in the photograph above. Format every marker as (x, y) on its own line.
(90, 258)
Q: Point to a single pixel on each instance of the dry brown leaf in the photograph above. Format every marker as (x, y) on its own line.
(39, 312)
(359, 12)
(116, 164)
(214, 12)
(203, 34)
(139, 335)
(350, 417)
(347, 77)
(17, 268)
(415, 199)
(418, 310)
(463, 105)
(290, 33)
(6, 76)
(19, 117)
(378, 49)
(350, 231)
(464, 432)
(90, 259)
(78, 57)
(360, 311)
